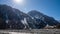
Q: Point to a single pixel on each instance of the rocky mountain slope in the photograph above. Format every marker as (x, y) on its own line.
(11, 18)
(47, 19)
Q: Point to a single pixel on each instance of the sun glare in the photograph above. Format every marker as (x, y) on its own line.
(19, 1)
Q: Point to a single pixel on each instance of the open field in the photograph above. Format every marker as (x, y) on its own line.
(34, 31)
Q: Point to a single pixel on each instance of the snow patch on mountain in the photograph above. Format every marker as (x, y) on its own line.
(24, 21)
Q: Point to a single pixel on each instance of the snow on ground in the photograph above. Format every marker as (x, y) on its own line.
(41, 31)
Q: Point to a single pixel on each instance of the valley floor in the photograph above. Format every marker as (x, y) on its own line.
(34, 31)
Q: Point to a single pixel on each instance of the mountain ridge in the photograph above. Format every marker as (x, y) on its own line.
(11, 18)
(38, 15)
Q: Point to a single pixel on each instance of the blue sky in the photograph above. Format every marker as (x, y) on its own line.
(47, 7)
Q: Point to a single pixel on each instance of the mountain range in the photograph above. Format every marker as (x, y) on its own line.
(11, 18)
